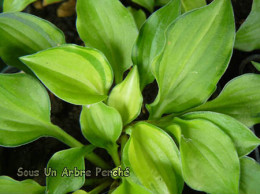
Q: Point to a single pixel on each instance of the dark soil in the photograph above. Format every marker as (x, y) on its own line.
(35, 156)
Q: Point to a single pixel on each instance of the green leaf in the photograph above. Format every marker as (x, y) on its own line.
(101, 125)
(151, 40)
(129, 187)
(188, 5)
(75, 74)
(11, 186)
(161, 2)
(139, 16)
(25, 110)
(153, 159)
(209, 159)
(127, 98)
(197, 53)
(16, 5)
(22, 34)
(248, 35)
(48, 2)
(249, 176)
(240, 99)
(256, 65)
(80, 192)
(63, 162)
(243, 138)
(147, 4)
(108, 26)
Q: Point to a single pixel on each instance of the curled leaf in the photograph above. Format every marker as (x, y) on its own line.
(153, 159)
(126, 97)
(101, 125)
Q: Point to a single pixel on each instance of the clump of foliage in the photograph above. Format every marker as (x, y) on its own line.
(186, 138)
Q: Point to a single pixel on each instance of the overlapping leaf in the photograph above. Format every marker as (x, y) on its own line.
(188, 5)
(108, 26)
(101, 125)
(25, 110)
(63, 162)
(139, 16)
(127, 98)
(153, 159)
(209, 159)
(248, 35)
(249, 176)
(148, 4)
(151, 40)
(16, 5)
(22, 34)
(240, 99)
(11, 186)
(75, 74)
(185, 75)
(243, 138)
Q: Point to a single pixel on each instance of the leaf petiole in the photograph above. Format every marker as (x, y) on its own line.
(72, 142)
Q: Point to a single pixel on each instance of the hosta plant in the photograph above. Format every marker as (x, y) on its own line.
(187, 137)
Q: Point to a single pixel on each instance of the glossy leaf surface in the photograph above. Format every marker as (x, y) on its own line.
(63, 162)
(188, 5)
(151, 40)
(25, 110)
(153, 159)
(256, 65)
(108, 26)
(75, 74)
(16, 5)
(243, 138)
(209, 159)
(240, 99)
(139, 16)
(11, 186)
(197, 53)
(127, 98)
(22, 34)
(248, 35)
(249, 176)
(101, 125)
